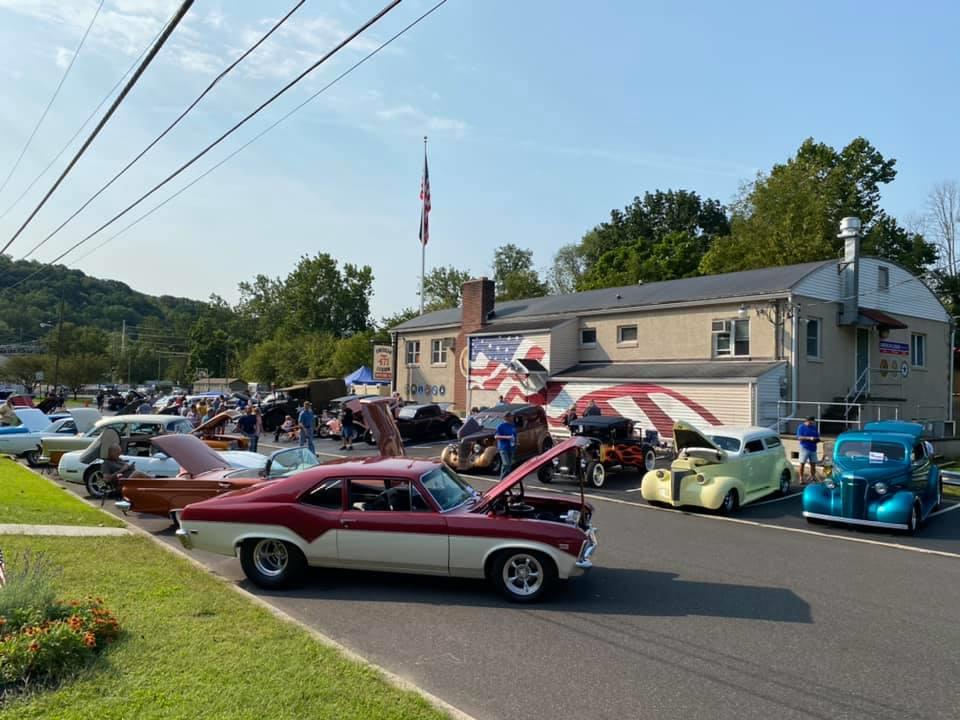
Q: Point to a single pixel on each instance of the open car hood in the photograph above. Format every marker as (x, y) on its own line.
(532, 465)
(216, 421)
(34, 420)
(85, 418)
(378, 418)
(687, 436)
(190, 453)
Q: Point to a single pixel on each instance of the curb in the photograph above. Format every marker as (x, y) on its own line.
(390, 677)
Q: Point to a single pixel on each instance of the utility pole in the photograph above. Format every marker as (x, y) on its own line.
(56, 364)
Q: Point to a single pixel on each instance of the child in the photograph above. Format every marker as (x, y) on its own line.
(290, 428)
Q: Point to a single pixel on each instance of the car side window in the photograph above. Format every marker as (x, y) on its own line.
(327, 494)
(773, 442)
(389, 494)
(754, 446)
(919, 453)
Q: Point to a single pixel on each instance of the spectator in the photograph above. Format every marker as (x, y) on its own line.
(347, 430)
(306, 421)
(592, 409)
(192, 415)
(256, 413)
(809, 436)
(100, 399)
(247, 424)
(289, 427)
(145, 408)
(207, 416)
(506, 443)
(202, 408)
(570, 415)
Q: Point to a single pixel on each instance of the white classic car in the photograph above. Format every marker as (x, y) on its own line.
(27, 444)
(73, 469)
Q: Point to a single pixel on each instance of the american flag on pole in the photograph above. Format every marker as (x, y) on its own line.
(425, 197)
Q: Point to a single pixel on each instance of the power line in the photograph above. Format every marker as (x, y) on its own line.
(226, 71)
(252, 140)
(56, 92)
(81, 128)
(184, 7)
(343, 43)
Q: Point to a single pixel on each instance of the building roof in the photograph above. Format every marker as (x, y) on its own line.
(660, 371)
(764, 281)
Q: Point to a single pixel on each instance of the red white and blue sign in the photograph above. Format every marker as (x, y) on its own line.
(888, 347)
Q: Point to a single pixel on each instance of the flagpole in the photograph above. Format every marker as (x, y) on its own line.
(423, 245)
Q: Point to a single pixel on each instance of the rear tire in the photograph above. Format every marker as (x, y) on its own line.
(523, 576)
(785, 479)
(269, 563)
(547, 444)
(33, 458)
(495, 465)
(97, 487)
(546, 474)
(596, 474)
(649, 460)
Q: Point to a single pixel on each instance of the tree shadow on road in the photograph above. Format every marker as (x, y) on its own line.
(612, 591)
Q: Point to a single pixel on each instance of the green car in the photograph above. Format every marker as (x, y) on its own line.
(882, 477)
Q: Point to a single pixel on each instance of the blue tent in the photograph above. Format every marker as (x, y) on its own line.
(362, 376)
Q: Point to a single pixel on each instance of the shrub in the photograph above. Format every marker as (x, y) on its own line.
(30, 589)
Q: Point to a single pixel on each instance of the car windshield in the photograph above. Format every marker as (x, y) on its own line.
(491, 422)
(726, 443)
(870, 452)
(446, 487)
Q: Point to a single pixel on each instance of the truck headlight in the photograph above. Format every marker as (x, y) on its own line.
(880, 488)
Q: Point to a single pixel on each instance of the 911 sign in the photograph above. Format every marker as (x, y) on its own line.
(383, 362)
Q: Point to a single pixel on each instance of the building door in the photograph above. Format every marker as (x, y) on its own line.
(862, 379)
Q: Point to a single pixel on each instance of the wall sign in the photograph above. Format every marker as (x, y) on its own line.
(888, 347)
(383, 362)
(904, 369)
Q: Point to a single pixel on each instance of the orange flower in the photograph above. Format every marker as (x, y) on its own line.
(34, 646)
(89, 640)
(75, 622)
(3, 620)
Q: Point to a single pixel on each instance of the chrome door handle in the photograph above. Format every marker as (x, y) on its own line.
(346, 522)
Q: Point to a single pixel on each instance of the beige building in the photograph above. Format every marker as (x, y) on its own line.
(846, 341)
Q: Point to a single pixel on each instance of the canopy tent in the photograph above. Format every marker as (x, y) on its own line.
(362, 376)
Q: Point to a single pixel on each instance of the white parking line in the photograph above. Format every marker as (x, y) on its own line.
(945, 510)
(788, 496)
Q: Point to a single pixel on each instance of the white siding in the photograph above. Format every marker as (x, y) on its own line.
(768, 396)
(564, 346)
(907, 294)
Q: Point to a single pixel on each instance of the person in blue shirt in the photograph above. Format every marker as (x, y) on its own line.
(306, 421)
(506, 443)
(809, 436)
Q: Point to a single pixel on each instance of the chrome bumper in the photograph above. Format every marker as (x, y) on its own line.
(184, 537)
(584, 562)
(122, 505)
(839, 519)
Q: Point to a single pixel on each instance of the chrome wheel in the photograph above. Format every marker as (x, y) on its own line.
(523, 575)
(95, 483)
(649, 461)
(785, 482)
(32, 457)
(597, 475)
(914, 523)
(270, 557)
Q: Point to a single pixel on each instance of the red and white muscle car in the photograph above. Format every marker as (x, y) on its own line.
(399, 514)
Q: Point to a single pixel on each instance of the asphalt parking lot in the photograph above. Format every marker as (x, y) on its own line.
(686, 615)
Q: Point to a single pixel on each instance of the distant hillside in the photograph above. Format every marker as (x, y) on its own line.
(90, 301)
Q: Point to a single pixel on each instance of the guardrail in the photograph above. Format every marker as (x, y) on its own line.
(950, 477)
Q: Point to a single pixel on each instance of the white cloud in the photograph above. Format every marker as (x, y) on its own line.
(198, 61)
(390, 113)
(63, 57)
(414, 119)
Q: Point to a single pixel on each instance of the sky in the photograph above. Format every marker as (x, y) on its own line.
(541, 117)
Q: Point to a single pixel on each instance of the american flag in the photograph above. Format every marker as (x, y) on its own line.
(490, 359)
(425, 197)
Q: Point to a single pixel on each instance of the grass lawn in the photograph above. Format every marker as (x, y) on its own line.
(26, 498)
(195, 649)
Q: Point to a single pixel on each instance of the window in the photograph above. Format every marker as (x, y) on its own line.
(390, 494)
(773, 441)
(446, 487)
(813, 338)
(627, 335)
(731, 338)
(883, 278)
(588, 337)
(726, 443)
(326, 495)
(918, 350)
(428, 411)
(437, 354)
(413, 352)
(754, 446)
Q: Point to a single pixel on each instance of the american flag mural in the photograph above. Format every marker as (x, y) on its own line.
(650, 405)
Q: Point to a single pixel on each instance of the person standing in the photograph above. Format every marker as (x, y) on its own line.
(306, 421)
(247, 424)
(506, 443)
(259, 429)
(808, 435)
(569, 416)
(347, 430)
(100, 400)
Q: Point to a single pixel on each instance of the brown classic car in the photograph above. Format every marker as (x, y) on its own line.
(214, 432)
(204, 474)
(477, 449)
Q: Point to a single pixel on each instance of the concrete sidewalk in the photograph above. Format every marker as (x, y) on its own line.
(63, 530)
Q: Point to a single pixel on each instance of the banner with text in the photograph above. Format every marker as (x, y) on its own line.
(383, 362)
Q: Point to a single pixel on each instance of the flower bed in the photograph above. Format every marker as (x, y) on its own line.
(44, 640)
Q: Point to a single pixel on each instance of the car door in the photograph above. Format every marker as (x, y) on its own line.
(428, 422)
(388, 525)
(920, 474)
(755, 466)
(323, 504)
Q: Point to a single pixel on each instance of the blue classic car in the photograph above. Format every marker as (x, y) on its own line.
(882, 477)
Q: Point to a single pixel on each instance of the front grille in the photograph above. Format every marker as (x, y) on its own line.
(853, 496)
(677, 482)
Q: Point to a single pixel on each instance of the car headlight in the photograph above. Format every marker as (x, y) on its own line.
(701, 479)
(881, 488)
(556, 462)
(830, 485)
(659, 474)
(583, 462)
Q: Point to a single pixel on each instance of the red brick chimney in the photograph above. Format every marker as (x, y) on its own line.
(478, 299)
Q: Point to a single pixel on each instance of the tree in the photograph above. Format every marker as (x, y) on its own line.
(943, 210)
(79, 369)
(791, 215)
(443, 288)
(23, 369)
(514, 274)
(564, 275)
(350, 353)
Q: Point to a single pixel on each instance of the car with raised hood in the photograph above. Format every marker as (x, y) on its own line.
(399, 514)
(613, 447)
(476, 446)
(882, 477)
(203, 473)
(214, 432)
(27, 443)
(721, 468)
